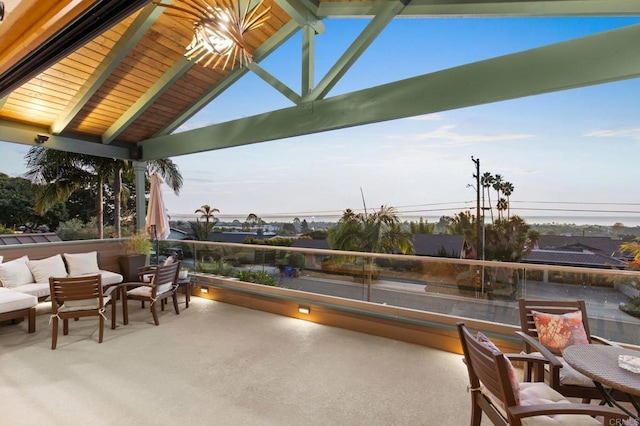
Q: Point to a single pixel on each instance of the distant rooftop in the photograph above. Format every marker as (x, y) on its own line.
(45, 237)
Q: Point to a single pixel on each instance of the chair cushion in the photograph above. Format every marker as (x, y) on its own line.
(108, 277)
(513, 377)
(44, 268)
(16, 273)
(140, 291)
(146, 290)
(38, 290)
(82, 263)
(570, 376)
(556, 332)
(79, 305)
(14, 300)
(539, 393)
(83, 305)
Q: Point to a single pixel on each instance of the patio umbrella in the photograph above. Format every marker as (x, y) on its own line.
(157, 221)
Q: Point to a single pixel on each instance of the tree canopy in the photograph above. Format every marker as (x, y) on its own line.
(378, 232)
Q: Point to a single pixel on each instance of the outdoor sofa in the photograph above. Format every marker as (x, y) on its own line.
(25, 282)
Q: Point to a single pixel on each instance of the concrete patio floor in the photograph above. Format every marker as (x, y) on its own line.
(220, 364)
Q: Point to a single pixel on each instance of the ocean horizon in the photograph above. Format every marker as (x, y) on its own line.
(581, 220)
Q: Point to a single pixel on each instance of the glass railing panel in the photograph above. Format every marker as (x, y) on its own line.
(606, 295)
(479, 290)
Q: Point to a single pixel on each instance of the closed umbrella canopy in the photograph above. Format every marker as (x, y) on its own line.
(157, 221)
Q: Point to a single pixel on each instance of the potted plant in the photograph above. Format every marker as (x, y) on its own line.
(135, 251)
(184, 273)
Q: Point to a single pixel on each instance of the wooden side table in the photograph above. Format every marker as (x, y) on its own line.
(186, 284)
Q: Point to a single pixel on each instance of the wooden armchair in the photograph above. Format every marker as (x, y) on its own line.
(74, 298)
(559, 374)
(163, 284)
(494, 393)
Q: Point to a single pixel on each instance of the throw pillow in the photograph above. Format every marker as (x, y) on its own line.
(15, 273)
(556, 332)
(82, 263)
(44, 268)
(513, 376)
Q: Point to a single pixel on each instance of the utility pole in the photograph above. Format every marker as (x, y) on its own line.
(478, 235)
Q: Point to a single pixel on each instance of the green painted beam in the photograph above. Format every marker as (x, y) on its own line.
(174, 73)
(308, 60)
(311, 5)
(121, 49)
(384, 12)
(491, 8)
(274, 82)
(140, 169)
(26, 134)
(604, 57)
(303, 16)
(275, 41)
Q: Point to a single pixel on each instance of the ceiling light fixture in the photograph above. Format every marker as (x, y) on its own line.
(219, 27)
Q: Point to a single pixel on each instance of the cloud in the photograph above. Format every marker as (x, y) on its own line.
(446, 133)
(633, 133)
(427, 117)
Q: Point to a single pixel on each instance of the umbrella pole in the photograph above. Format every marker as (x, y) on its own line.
(155, 236)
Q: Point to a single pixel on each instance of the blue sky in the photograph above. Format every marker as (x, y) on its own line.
(565, 149)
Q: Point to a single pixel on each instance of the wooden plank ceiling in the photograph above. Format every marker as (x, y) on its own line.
(131, 86)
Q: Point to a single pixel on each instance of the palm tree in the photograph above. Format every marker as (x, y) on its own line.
(60, 174)
(632, 247)
(507, 190)
(207, 213)
(201, 230)
(464, 223)
(502, 205)
(252, 220)
(497, 185)
(509, 240)
(378, 232)
(486, 180)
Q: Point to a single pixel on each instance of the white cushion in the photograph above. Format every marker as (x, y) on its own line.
(15, 273)
(38, 290)
(140, 291)
(570, 376)
(82, 263)
(79, 305)
(540, 393)
(50, 267)
(14, 300)
(110, 278)
(146, 290)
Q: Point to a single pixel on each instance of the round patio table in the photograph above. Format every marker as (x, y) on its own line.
(600, 364)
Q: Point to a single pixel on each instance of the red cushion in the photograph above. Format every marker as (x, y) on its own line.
(556, 332)
(513, 377)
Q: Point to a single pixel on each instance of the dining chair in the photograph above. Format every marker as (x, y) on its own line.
(496, 391)
(73, 298)
(163, 284)
(546, 327)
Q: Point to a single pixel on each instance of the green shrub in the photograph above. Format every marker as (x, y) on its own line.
(217, 268)
(257, 277)
(75, 229)
(632, 307)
